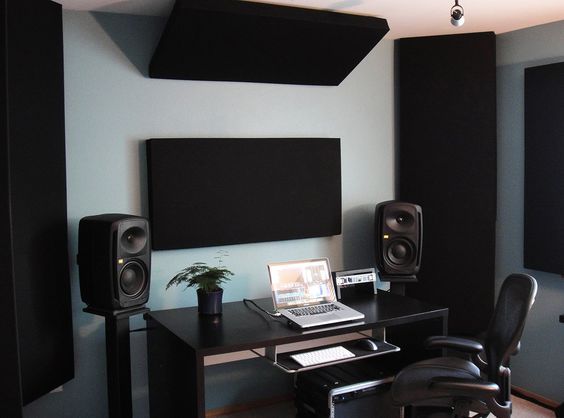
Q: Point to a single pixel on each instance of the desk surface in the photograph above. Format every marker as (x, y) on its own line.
(243, 327)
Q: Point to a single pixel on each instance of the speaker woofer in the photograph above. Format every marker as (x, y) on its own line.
(401, 252)
(133, 240)
(133, 279)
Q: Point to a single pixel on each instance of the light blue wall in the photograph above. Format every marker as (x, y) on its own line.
(539, 367)
(112, 107)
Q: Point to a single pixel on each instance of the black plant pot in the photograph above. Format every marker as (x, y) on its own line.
(209, 303)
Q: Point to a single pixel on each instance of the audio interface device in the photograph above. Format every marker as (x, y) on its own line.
(354, 283)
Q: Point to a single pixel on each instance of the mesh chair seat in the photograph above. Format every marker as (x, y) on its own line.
(411, 385)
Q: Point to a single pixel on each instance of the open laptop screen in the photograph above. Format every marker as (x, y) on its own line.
(304, 282)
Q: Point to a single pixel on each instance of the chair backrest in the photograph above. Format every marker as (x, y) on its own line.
(516, 297)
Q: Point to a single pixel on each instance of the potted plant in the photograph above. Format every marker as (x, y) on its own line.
(207, 279)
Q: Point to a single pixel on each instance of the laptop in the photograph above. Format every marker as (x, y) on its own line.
(303, 292)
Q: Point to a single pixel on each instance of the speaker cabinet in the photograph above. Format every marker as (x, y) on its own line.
(398, 235)
(114, 259)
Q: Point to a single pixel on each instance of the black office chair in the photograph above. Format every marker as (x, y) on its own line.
(453, 386)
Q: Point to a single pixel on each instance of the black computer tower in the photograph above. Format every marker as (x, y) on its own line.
(349, 390)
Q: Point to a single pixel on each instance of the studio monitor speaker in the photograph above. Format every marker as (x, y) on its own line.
(399, 233)
(114, 259)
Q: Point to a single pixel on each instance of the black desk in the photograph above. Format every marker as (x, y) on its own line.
(179, 339)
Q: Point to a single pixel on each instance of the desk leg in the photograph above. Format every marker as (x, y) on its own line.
(411, 337)
(176, 376)
(193, 399)
(199, 388)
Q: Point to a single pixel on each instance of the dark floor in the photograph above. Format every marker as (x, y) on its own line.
(521, 409)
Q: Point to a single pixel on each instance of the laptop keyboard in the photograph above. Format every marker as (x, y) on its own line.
(314, 310)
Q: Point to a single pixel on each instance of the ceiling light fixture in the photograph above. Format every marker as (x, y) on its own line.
(457, 14)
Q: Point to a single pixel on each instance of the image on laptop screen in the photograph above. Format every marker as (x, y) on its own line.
(296, 283)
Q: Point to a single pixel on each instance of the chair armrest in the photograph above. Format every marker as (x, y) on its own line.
(517, 349)
(460, 344)
(470, 388)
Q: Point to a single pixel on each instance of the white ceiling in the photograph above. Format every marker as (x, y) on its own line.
(405, 18)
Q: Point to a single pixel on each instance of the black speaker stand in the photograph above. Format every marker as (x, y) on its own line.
(118, 359)
(397, 283)
(559, 411)
(406, 278)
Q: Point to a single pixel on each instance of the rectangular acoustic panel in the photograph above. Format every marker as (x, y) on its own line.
(544, 168)
(233, 40)
(10, 386)
(218, 191)
(447, 165)
(35, 309)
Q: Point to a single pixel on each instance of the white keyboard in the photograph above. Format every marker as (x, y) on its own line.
(325, 355)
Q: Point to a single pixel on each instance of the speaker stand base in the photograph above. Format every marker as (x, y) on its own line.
(117, 313)
(397, 278)
(118, 359)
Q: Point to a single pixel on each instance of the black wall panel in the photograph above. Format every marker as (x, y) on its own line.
(10, 391)
(447, 164)
(231, 40)
(544, 168)
(33, 205)
(260, 180)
